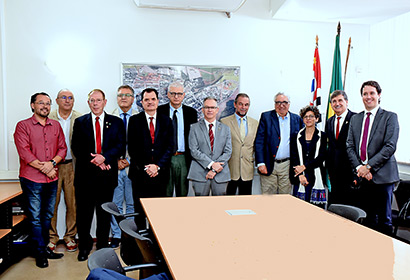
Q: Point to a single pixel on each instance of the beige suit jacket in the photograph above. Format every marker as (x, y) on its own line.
(242, 160)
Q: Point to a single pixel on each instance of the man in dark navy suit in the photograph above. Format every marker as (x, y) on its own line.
(371, 144)
(272, 146)
(150, 146)
(98, 142)
(337, 163)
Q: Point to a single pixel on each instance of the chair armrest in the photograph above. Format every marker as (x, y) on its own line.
(139, 266)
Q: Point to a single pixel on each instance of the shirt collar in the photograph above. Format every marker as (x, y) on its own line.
(35, 121)
(239, 117)
(129, 112)
(374, 111)
(60, 118)
(286, 116)
(343, 115)
(148, 116)
(100, 116)
(208, 123)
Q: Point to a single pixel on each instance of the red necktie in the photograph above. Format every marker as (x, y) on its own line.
(151, 129)
(337, 127)
(98, 135)
(363, 147)
(211, 136)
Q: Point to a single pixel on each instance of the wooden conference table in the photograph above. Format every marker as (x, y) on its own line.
(286, 238)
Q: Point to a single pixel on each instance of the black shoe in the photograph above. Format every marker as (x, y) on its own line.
(53, 256)
(115, 243)
(83, 255)
(42, 262)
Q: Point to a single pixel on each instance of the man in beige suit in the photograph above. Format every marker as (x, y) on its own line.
(65, 115)
(243, 132)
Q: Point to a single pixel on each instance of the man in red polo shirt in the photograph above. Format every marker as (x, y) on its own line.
(41, 146)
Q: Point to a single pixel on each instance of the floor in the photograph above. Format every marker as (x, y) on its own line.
(66, 268)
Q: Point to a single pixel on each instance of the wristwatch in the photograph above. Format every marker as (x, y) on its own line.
(53, 162)
(368, 166)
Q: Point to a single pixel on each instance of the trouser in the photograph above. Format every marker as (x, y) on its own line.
(178, 177)
(245, 187)
(278, 182)
(204, 188)
(122, 193)
(39, 202)
(65, 184)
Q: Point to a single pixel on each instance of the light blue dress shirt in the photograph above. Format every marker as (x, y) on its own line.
(284, 149)
(245, 120)
(180, 117)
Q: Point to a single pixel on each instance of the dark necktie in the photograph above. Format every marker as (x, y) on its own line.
(211, 136)
(98, 135)
(337, 127)
(175, 125)
(151, 129)
(124, 119)
(363, 147)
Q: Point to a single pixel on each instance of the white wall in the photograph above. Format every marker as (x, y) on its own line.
(389, 63)
(273, 55)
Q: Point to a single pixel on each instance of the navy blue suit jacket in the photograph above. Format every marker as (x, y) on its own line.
(268, 137)
(83, 144)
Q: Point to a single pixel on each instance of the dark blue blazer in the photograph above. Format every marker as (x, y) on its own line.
(83, 144)
(268, 137)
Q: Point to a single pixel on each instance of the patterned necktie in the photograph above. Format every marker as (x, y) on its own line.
(175, 125)
(337, 127)
(242, 129)
(363, 147)
(151, 129)
(98, 135)
(211, 136)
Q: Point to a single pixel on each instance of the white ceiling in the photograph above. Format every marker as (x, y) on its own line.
(346, 11)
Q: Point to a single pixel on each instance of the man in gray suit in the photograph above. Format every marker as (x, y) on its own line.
(211, 148)
(371, 144)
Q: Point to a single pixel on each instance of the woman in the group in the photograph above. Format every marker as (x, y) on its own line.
(307, 153)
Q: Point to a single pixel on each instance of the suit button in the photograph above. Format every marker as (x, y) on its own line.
(152, 150)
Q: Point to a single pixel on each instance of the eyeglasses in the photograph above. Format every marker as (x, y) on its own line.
(70, 98)
(210, 108)
(98, 100)
(282, 102)
(41, 103)
(173, 94)
(309, 117)
(121, 95)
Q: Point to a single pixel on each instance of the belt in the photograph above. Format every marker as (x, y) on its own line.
(281, 160)
(66, 161)
(179, 153)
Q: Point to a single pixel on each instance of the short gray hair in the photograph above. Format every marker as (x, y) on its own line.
(283, 94)
(211, 98)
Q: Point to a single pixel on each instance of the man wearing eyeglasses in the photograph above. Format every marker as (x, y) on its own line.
(65, 115)
(272, 146)
(98, 143)
(182, 117)
(41, 145)
(123, 191)
(211, 148)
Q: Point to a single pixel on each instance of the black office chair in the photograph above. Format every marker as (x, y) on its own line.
(107, 258)
(129, 250)
(149, 251)
(401, 217)
(347, 211)
(112, 209)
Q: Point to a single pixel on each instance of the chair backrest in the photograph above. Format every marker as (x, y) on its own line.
(129, 250)
(347, 211)
(149, 252)
(111, 208)
(105, 258)
(402, 193)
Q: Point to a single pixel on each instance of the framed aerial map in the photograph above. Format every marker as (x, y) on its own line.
(221, 82)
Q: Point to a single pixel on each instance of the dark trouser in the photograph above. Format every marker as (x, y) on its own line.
(376, 200)
(342, 193)
(89, 197)
(144, 186)
(40, 200)
(178, 177)
(245, 187)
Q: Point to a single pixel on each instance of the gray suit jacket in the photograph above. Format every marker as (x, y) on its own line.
(202, 155)
(380, 148)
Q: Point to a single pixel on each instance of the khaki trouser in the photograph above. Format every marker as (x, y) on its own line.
(278, 182)
(65, 183)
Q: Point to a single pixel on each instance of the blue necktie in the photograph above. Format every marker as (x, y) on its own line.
(124, 118)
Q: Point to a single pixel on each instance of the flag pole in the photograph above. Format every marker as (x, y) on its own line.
(347, 60)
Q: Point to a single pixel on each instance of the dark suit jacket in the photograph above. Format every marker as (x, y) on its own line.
(142, 151)
(309, 160)
(268, 137)
(380, 147)
(83, 144)
(337, 161)
(190, 117)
